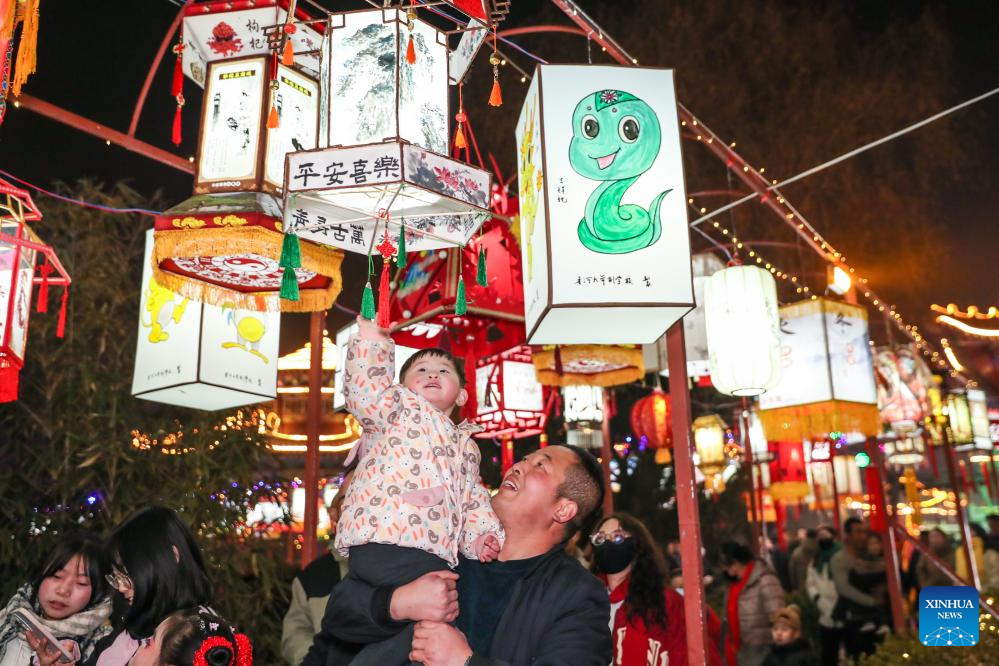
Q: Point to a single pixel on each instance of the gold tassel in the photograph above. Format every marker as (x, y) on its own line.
(27, 50)
(272, 117)
(459, 139)
(288, 55)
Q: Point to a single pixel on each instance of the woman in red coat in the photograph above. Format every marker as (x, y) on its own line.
(647, 618)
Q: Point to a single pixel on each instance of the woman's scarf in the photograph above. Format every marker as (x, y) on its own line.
(824, 555)
(86, 627)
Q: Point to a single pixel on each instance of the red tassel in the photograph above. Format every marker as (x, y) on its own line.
(61, 326)
(459, 139)
(383, 295)
(178, 71)
(43, 290)
(272, 117)
(175, 137)
(558, 361)
(496, 96)
(288, 55)
(411, 51)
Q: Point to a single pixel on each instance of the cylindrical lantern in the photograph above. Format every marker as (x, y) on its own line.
(650, 418)
(584, 414)
(743, 330)
(788, 479)
(709, 440)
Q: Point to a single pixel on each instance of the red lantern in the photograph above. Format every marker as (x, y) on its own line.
(19, 248)
(510, 402)
(788, 479)
(650, 418)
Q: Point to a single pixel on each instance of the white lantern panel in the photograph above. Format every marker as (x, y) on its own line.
(343, 196)
(583, 404)
(297, 104)
(231, 122)
(202, 356)
(614, 230)
(374, 93)
(740, 310)
(461, 58)
(825, 355)
(978, 406)
(220, 35)
(20, 308)
(7, 255)
(402, 354)
(533, 207)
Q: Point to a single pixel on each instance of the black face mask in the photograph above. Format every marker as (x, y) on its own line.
(614, 558)
(826, 544)
(732, 578)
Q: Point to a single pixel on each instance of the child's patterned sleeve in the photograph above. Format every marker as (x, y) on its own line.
(480, 520)
(367, 376)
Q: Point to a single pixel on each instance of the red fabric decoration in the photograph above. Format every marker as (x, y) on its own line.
(46, 270)
(383, 294)
(61, 326)
(208, 644)
(496, 96)
(178, 71)
(9, 375)
(411, 51)
(175, 136)
(244, 652)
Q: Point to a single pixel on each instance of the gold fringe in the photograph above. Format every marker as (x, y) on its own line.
(663, 456)
(819, 419)
(630, 357)
(789, 490)
(28, 48)
(213, 242)
(8, 22)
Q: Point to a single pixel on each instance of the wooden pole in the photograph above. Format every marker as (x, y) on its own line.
(313, 416)
(962, 516)
(888, 544)
(747, 447)
(686, 500)
(605, 454)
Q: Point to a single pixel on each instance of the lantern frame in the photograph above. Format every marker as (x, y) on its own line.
(701, 427)
(503, 419)
(258, 180)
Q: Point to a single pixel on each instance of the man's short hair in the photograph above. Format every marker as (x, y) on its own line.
(733, 552)
(584, 485)
(434, 352)
(849, 523)
(992, 516)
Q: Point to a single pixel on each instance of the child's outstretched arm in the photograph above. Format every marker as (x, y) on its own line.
(368, 373)
(482, 535)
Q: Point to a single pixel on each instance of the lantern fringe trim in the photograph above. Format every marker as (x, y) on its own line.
(789, 490)
(322, 260)
(630, 366)
(819, 419)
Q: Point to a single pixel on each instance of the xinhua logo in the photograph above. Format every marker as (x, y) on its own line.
(948, 616)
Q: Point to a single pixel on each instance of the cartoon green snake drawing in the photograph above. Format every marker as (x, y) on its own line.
(615, 139)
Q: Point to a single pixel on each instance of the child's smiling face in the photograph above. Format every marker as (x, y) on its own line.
(436, 379)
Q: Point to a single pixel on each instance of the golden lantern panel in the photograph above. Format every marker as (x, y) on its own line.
(588, 365)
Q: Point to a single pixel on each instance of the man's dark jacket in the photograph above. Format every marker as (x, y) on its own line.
(559, 614)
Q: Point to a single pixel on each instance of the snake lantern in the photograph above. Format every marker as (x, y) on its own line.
(615, 139)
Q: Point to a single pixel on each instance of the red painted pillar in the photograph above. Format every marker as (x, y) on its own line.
(313, 416)
(686, 500)
(888, 544)
(605, 454)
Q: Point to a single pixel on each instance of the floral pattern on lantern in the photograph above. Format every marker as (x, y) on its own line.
(743, 330)
(650, 418)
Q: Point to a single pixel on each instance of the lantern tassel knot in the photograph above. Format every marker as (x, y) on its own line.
(481, 278)
(368, 302)
(461, 301)
(291, 252)
(46, 270)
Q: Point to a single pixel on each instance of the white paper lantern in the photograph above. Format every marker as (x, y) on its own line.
(603, 215)
(743, 330)
(202, 356)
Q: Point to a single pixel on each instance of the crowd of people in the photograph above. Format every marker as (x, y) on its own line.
(427, 567)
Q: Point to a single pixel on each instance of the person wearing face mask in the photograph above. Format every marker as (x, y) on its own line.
(754, 594)
(821, 589)
(646, 618)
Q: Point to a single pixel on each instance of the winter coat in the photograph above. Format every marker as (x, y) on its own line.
(639, 644)
(417, 483)
(557, 615)
(309, 593)
(761, 597)
(928, 573)
(795, 653)
(800, 559)
(821, 589)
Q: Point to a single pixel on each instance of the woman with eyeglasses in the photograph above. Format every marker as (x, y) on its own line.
(646, 618)
(68, 596)
(156, 570)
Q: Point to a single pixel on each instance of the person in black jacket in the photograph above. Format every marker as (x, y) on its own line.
(534, 605)
(789, 648)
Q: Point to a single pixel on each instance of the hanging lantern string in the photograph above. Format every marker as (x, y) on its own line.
(81, 202)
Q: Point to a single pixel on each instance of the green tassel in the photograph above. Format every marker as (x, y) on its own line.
(289, 285)
(400, 258)
(291, 252)
(461, 302)
(368, 303)
(480, 273)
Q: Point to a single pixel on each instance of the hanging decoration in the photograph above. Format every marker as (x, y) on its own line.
(590, 138)
(903, 383)
(651, 421)
(904, 450)
(584, 413)
(202, 356)
(827, 380)
(219, 248)
(743, 330)
(695, 336)
(958, 414)
(588, 365)
(510, 401)
(709, 440)
(848, 481)
(788, 478)
(20, 248)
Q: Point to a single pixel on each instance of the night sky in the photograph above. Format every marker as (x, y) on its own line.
(94, 55)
